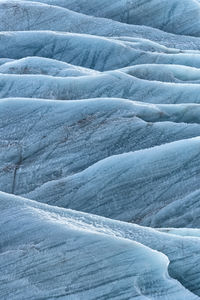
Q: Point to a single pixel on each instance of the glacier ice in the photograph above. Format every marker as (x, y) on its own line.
(99, 149)
(164, 15)
(110, 127)
(70, 257)
(43, 66)
(124, 193)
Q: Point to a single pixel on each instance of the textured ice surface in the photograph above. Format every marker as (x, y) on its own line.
(99, 117)
(165, 15)
(124, 193)
(43, 66)
(164, 73)
(112, 84)
(71, 257)
(92, 51)
(41, 147)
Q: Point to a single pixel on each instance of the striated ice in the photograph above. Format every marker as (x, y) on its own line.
(99, 138)
(71, 257)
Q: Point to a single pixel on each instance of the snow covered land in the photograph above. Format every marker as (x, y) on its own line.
(100, 149)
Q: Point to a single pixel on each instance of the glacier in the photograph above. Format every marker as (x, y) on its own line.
(99, 149)
(159, 14)
(87, 251)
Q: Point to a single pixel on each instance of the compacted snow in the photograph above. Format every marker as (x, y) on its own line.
(99, 149)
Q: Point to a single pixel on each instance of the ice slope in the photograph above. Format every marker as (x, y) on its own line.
(33, 16)
(37, 16)
(68, 259)
(95, 52)
(128, 148)
(136, 187)
(185, 232)
(165, 15)
(112, 84)
(42, 154)
(43, 66)
(164, 73)
(136, 82)
(37, 146)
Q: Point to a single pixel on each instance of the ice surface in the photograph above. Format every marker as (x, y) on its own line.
(53, 148)
(164, 15)
(113, 84)
(99, 113)
(92, 51)
(124, 193)
(43, 66)
(71, 258)
(164, 73)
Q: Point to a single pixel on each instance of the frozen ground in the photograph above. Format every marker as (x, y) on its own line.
(99, 138)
